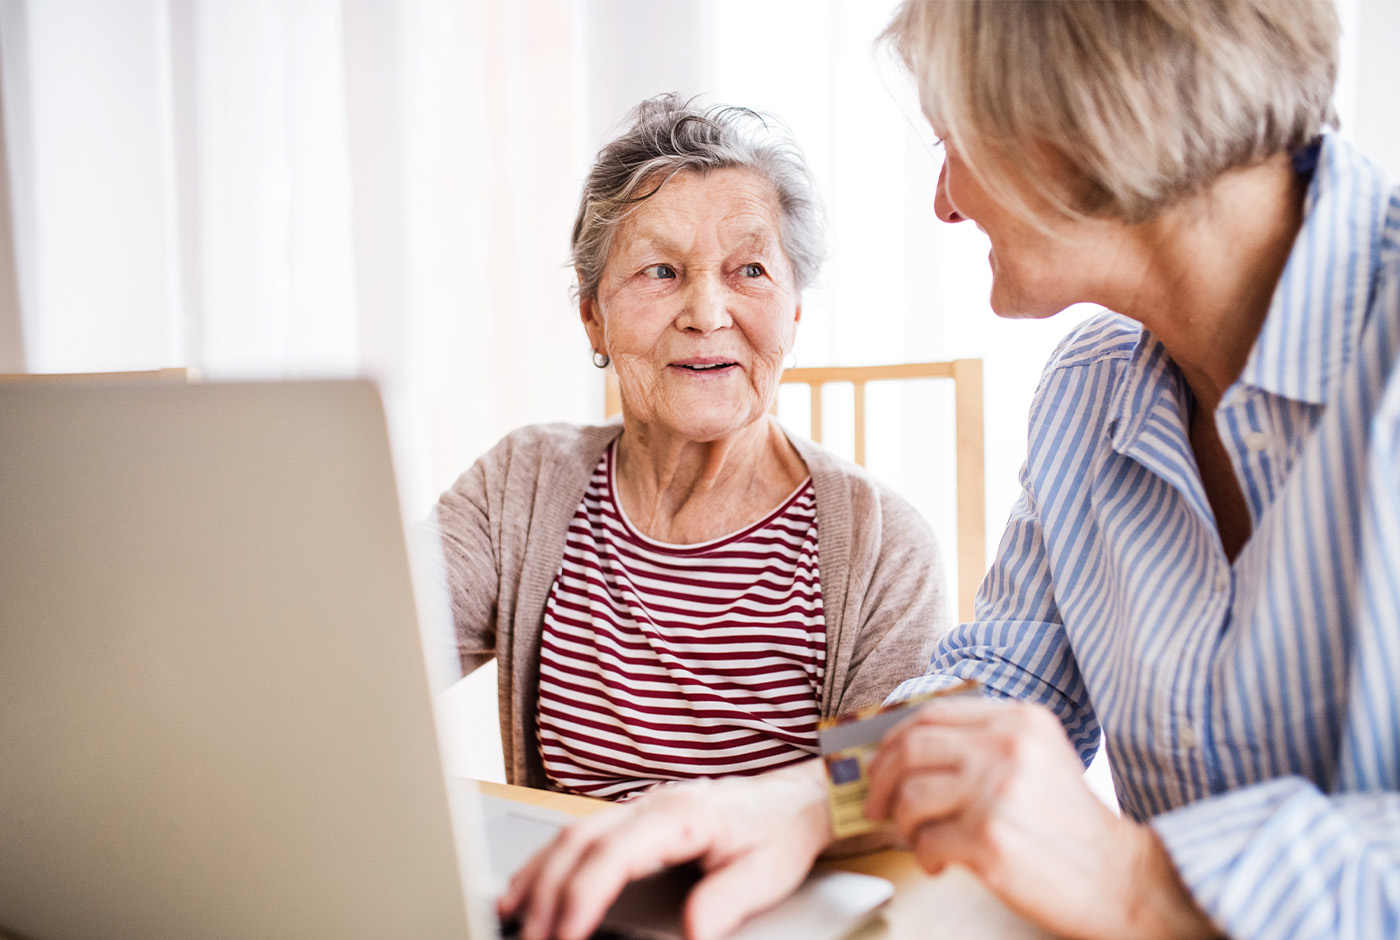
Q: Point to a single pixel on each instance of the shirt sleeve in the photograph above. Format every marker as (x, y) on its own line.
(1281, 860)
(1017, 647)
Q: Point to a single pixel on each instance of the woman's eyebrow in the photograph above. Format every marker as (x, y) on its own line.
(649, 241)
(746, 239)
(758, 239)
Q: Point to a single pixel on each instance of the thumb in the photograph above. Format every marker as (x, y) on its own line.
(731, 894)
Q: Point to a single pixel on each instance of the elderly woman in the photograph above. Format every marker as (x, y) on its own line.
(686, 593)
(1204, 568)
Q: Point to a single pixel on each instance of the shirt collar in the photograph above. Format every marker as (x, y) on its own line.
(1315, 316)
(1149, 383)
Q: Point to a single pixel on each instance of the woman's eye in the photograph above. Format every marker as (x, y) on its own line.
(752, 270)
(659, 271)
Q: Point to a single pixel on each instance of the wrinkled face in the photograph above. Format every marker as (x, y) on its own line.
(697, 306)
(1037, 269)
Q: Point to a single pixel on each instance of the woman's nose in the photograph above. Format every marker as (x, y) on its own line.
(706, 306)
(943, 206)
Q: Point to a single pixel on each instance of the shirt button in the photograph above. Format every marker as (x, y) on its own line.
(1187, 737)
(1256, 440)
(1222, 583)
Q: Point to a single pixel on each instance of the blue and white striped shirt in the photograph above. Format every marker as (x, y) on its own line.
(1251, 711)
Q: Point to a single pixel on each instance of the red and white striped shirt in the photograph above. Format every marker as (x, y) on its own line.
(663, 662)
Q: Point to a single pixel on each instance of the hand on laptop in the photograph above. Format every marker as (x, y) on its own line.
(754, 838)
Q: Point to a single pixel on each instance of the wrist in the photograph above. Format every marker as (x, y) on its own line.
(801, 789)
(1156, 902)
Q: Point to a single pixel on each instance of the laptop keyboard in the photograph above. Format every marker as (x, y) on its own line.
(510, 930)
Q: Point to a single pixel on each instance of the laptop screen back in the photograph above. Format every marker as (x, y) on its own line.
(215, 718)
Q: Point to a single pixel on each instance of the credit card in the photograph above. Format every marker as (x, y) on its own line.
(849, 741)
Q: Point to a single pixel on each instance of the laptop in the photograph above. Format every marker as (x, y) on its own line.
(216, 717)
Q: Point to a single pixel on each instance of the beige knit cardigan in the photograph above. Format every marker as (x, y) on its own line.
(502, 527)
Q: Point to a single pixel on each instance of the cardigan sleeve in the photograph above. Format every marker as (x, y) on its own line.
(469, 532)
(902, 612)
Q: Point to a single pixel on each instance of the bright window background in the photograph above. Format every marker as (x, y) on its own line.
(330, 187)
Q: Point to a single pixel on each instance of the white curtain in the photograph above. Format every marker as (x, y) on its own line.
(305, 188)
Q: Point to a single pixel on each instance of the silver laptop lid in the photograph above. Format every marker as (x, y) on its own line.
(215, 717)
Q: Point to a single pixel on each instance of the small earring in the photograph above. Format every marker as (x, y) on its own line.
(600, 359)
(792, 355)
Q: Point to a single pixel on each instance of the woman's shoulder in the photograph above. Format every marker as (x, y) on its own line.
(845, 487)
(1106, 336)
(1080, 387)
(537, 452)
(827, 468)
(557, 439)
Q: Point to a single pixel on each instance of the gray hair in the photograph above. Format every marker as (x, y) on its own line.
(1148, 102)
(667, 135)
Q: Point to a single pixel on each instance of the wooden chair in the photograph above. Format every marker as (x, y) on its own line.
(150, 375)
(966, 375)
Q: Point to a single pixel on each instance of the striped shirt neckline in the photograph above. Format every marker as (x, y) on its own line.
(691, 548)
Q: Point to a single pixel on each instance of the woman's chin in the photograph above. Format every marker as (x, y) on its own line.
(708, 423)
(1019, 307)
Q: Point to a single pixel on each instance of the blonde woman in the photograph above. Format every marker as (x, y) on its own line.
(1204, 568)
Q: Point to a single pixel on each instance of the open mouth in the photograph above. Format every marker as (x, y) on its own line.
(714, 366)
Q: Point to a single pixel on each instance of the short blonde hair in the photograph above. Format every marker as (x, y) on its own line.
(1147, 102)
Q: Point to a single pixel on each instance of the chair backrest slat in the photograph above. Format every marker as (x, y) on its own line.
(860, 422)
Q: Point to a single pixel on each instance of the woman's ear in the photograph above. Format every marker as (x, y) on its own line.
(592, 323)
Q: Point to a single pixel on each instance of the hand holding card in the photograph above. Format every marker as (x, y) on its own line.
(849, 741)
